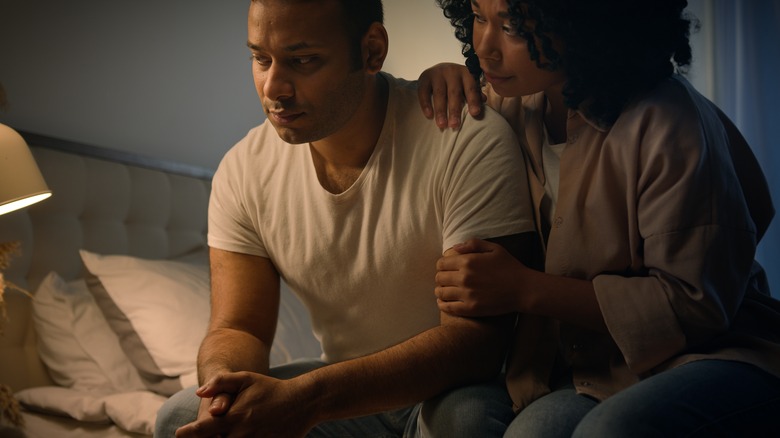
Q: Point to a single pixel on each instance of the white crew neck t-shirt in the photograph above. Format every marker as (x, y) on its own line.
(363, 261)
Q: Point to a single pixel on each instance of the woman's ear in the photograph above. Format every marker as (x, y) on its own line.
(375, 43)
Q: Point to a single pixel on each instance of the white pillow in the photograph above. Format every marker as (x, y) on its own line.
(158, 308)
(75, 341)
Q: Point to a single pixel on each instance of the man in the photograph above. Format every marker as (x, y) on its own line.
(350, 195)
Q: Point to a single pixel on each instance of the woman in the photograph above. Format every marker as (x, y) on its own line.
(650, 206)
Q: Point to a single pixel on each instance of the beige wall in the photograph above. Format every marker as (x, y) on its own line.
(169, 79)
(420, 36)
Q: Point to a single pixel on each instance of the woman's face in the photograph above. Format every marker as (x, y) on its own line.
(504, 56)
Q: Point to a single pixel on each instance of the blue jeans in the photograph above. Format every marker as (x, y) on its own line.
(706, 398)
(482, 410)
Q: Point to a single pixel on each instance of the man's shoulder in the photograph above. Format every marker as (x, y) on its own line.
(489, 118)
(399, 84)
(262, 136)
(259, 145)
(407, 106)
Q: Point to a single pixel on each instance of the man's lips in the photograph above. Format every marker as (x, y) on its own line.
(284, 117)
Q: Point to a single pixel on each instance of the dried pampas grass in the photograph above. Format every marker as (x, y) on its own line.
(10, 412)
(8, 251)
(9, 406)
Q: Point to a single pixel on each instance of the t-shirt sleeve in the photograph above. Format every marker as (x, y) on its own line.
(485, 190)
(230, 223)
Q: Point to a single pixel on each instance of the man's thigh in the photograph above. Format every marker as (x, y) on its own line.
(483, 410)
(389, 424)
(178, 410)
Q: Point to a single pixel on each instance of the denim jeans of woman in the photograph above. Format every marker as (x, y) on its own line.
(706, 398)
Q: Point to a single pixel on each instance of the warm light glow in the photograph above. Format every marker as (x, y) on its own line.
(21, 203)
(21, 182)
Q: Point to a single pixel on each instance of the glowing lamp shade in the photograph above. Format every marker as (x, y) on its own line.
(21, 182)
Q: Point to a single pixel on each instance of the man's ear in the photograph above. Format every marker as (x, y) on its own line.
(375, 43)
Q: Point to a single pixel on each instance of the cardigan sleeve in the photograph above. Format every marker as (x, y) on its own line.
(698, 239)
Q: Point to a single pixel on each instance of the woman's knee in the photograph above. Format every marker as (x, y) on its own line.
(617, 422)
(701, 396)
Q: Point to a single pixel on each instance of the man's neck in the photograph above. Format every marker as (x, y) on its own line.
(340, 158)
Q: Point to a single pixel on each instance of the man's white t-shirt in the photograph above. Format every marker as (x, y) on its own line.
(363, 261)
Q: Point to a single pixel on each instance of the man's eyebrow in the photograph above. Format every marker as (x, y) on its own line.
(290, 48)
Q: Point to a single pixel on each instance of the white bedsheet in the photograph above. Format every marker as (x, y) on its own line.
(80, 412)
(49, 426)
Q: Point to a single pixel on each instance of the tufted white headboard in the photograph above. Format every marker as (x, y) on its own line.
(104, 201)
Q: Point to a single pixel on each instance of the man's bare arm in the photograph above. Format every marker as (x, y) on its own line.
(244, 311)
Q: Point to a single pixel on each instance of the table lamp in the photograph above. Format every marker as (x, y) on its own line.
(21, 182)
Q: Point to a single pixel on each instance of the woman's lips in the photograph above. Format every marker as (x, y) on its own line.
(496, 80)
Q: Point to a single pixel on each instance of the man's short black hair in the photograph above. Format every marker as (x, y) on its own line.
(360, 14)
(358, 17)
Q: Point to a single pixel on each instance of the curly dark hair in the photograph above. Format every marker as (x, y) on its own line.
(614, 50)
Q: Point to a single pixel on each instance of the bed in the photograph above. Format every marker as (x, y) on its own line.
(118, 265)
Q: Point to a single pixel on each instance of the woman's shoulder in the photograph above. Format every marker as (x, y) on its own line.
(673, 108)
(672, 100)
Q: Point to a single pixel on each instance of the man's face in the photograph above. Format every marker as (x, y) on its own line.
(303, 67)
